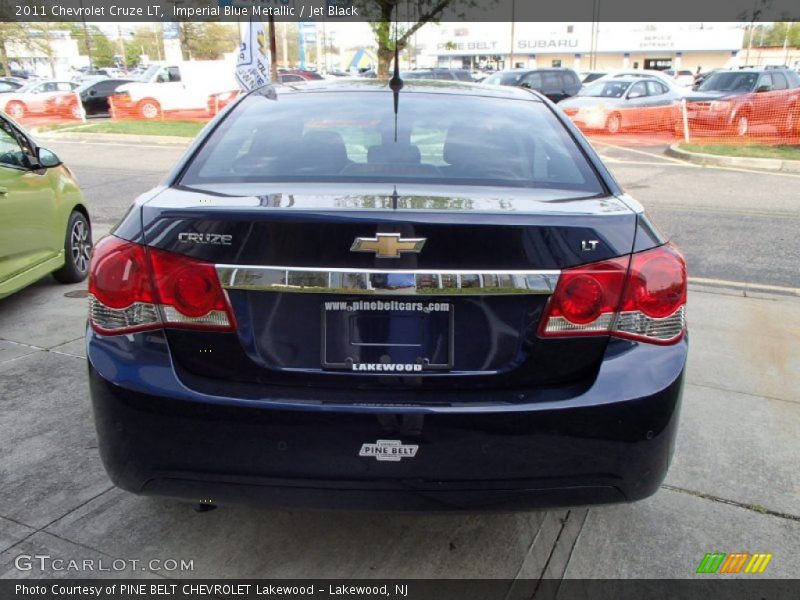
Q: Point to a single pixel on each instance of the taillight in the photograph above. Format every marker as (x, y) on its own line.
(190, 293)
(133, 288)
(640, 297)
(653, 308)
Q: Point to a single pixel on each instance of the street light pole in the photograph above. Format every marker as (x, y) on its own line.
(87, 38)
(786, 43)
(513, 31)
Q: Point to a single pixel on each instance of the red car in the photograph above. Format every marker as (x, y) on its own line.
(216, 102)
(296, 75)
(733, 101)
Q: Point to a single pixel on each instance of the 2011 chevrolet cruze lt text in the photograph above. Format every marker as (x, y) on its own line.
(347, 295)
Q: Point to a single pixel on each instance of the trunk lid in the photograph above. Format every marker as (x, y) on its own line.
(310, 311)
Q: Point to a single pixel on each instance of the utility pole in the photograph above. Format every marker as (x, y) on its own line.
(786, 43)
(122, 46)
(285, 44)
(87, 38)
(513, 31)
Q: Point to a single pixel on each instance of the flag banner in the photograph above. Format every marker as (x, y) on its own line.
(253, 64)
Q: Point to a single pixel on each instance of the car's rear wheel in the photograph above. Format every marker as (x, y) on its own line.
(149, 108)
(742, 125)
(15, 110)
(614, 123)
(77, 248)
(790, 125)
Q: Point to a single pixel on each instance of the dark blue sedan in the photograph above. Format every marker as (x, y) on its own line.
(349, 296)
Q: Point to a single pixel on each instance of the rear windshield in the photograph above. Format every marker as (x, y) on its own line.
(504, 78)
(606, 89)
(353, 137)
(729, 82)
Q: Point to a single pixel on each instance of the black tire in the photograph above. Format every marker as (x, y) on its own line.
(16, 109)
(741, 124)
(791, 123)
(77, 247)
(614, 124)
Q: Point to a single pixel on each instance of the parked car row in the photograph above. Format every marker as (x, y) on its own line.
(34, 98)
(735, 100)
(727, 100)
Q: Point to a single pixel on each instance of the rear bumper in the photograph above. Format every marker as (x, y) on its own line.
(610, 443)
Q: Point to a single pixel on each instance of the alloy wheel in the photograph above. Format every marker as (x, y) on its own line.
(742, 125)
(149, 110)
(80, 246)
(15, 110)
(613, 124)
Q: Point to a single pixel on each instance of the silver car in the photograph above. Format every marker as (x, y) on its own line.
(623, 103)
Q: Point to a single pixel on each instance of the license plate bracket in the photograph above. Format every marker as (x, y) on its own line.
(387, 336)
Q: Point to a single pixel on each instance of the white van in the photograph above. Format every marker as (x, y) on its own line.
(165, 87)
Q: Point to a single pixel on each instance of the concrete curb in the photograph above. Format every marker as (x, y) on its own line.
(119, 138)
(767, 164)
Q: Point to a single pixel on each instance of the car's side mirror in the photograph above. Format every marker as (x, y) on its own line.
(525, 84)
(93, 92)
(763, 88)
(47, 158)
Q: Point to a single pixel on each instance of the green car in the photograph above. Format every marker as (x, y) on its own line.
(44, 221)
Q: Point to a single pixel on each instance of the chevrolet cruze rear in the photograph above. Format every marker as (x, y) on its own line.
(345, 297)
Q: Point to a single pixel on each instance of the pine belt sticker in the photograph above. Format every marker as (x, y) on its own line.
(391, 450)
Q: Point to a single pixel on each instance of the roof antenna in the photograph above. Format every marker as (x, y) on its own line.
(396, 83)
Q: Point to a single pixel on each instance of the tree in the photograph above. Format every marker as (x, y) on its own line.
(35, 37)
(208, 41)
(93, 42)
(11, 34)
(774, 35)
(145, 41)
(380, 13)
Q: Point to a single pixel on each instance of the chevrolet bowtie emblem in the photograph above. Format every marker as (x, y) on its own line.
(387, 245)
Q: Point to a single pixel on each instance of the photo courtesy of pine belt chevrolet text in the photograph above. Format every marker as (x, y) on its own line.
(418, 295)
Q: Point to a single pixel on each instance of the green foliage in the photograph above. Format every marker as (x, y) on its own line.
(208, 41)
(146, 40)
(382, 14)
(92, 39)
(774, 34)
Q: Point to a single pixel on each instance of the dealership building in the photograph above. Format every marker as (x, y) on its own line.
(582, 46)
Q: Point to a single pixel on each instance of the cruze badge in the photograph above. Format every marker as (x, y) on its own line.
(387, 245)
(391, 450)
(214, 239)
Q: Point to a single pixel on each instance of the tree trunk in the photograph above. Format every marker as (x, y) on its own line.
(385, 56)
(273, 51)
(4, 59)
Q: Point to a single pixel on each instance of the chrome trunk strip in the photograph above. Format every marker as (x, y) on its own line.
(396, 282)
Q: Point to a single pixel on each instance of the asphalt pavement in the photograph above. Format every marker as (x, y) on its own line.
(734, 485)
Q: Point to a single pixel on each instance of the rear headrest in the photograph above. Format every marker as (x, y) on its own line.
(394, 153)
(471, 145)
(326, 146)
